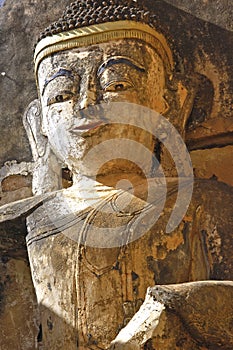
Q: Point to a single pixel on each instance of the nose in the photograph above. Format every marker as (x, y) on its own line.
(87, 98)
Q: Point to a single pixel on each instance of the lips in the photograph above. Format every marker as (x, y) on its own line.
(88, 126)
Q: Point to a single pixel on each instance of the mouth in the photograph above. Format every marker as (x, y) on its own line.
(87, 127)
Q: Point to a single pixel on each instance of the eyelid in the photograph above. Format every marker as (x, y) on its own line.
(119, 60)
(65, 96)
(71, 76)
(118, 82)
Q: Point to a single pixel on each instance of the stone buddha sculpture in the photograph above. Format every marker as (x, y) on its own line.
(96, 246)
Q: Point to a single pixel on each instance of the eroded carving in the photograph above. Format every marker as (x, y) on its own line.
(90, 282)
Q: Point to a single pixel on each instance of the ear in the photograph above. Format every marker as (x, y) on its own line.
(203, 102)
(186, 98)
(196, 100)
(32, 121)
(179, 95)
(47, 168)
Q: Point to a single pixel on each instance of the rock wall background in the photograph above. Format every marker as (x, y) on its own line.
(219, 12)
(204, 44)
(20, 23)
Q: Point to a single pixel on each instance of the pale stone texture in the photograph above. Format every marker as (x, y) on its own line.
(22, 21)
(203, 48)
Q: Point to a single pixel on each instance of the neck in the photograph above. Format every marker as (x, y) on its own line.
(120, 180)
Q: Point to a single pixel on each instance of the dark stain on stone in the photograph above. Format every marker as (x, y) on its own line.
(116, 266)
(5, 259)
(50, 323)
(135, 282)
(5, 280)
(134, 276)
(181, 342)
(40, 334)
(203, 102)
(2, 299)
(12, 240)
(91, 341)
(49, 286)
(67, 178)
(148, 345)
(153, 266)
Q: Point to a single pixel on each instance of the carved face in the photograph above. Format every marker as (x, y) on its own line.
(72, 81)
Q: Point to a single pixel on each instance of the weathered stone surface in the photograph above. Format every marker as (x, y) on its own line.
(202, 242)
(15, 187)
(215, 162)
(19, 322)
(182, 316)
(200, 248)
(217, 132)
(211, 328)
(21, 22)
(18, 307)
(219, 12)
(15, 182)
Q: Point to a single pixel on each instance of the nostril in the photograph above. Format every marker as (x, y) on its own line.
(82, 113)
(91, 110)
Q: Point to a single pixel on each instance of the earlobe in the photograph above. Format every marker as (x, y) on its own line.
(186, 99)
(43, 129)
(185, 94)
(47, 169)
(32, 121)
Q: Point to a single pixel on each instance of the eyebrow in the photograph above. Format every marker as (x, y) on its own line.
(119, 60)
(60, 73)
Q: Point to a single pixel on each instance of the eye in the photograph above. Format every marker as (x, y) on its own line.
(115, 86)
(64, 96)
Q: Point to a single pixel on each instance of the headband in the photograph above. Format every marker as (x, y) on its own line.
(100, 33)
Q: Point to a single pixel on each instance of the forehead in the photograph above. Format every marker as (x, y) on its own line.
(92, 56)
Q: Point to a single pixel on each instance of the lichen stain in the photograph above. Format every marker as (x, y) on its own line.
(173, 241)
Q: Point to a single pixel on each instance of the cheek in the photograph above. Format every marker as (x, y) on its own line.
(124, 96)
(57, 120)
(155, 88)
(58, 117)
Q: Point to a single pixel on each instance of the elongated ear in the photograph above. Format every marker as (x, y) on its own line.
(203, 102)
(186, 97)
(47, 174)
(179, 95)
(32, 121)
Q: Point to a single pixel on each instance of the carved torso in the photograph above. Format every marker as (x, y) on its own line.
(93, 292)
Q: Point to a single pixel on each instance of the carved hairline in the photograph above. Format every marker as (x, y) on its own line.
(100, 33)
